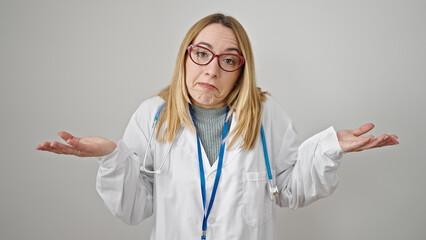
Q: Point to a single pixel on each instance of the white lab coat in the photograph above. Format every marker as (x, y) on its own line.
(243, 209)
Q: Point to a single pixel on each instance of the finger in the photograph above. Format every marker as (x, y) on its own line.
(56, 147)
(363, 129)
(358, 144)
(386, 140)
(373, 143)
(391, 142)
(394, 137)
(42, 146)
(63, 149)
(46, 146)
(64, 135)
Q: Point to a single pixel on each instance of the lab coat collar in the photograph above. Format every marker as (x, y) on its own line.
(187, 142)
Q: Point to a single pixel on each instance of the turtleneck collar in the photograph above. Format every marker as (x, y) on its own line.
(209, 115)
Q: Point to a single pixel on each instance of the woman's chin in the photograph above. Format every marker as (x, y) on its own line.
(208, 103)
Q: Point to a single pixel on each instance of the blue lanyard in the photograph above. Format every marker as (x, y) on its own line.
(219, 170)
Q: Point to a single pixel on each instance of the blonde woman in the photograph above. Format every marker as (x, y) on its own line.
(221, 154)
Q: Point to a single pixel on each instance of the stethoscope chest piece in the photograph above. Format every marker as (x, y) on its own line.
(273, 191)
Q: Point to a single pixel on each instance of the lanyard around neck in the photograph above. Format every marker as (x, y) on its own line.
(219, 169)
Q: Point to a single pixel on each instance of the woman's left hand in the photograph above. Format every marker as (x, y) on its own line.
(352, 141)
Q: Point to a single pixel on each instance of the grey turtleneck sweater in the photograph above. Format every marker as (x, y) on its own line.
(209, 127)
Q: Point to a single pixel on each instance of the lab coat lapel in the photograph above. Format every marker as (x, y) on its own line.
(231, 153)
(188, 144)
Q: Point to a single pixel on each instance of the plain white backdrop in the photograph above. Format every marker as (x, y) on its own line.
(84, 67)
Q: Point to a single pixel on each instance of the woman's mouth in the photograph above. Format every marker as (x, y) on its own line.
(207, 86)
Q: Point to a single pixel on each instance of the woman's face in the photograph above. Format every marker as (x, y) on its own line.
(209, 85)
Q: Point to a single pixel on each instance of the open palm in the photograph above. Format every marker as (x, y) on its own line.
(352, 141)
(82, 147)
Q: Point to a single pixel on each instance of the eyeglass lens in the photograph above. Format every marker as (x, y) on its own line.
(202, 56)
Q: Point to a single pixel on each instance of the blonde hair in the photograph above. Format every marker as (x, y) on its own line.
(245, 100)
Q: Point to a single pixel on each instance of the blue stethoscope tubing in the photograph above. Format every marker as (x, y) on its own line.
(272, 187)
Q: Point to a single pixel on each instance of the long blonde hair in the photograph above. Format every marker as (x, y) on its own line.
(245, 100)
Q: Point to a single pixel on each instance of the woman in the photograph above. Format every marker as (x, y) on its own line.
(187, 167)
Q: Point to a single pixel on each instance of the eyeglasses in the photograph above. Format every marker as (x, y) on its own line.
(228, 62)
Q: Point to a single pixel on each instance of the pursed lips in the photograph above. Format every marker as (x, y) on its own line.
(207, 86)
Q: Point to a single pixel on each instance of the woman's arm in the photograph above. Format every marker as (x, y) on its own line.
(126, 191)
(307, 171)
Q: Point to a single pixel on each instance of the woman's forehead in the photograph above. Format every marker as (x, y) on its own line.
(217, 37)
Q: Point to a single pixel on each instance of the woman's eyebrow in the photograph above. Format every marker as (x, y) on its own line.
(233, 49)
(207, 44)
(226, 50)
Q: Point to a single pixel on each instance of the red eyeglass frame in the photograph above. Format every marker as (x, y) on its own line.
(190, 47)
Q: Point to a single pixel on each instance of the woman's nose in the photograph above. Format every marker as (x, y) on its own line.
(213, 69)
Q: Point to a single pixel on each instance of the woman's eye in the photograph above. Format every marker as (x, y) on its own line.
(229, 61)
(202, 54)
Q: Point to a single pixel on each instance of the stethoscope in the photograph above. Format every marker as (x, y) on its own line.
(272, 187)
(273, 190)
(153, 127)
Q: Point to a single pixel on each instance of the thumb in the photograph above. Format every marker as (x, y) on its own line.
(64, 135)
(74, 142)
(363, 129)
(70, 139)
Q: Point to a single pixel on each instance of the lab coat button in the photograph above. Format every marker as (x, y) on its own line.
(211, 220)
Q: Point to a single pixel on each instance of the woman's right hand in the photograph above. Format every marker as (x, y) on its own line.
(81, 147)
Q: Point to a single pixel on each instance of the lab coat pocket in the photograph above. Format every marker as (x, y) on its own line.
(257, 205)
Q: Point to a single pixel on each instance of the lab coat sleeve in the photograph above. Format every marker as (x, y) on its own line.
(126, 191)
(307, 171)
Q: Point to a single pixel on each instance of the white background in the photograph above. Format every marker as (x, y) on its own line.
(84, 66)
